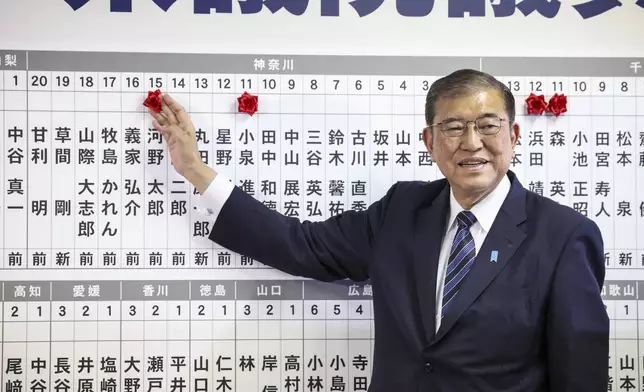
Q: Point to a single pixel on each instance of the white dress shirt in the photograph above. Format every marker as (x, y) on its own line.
(485, 211)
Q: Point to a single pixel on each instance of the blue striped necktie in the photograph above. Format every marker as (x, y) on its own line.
(461, 257)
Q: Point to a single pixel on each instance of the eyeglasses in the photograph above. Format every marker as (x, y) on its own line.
(485, 125)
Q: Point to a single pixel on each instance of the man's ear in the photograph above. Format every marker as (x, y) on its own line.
(515, 132)
(428, 139)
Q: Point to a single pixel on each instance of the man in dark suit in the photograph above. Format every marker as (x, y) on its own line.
(478, 284)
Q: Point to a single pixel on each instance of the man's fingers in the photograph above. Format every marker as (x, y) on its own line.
(159, 117)
(169, 114)
(157, 124)
(176, 108)
(164, 130)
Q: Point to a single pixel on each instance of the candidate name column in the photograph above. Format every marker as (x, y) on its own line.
(154, 159)
(133, 189)
(640, 164)
(3, 224)
(178, 83)
(110, 161)
(230, 87)
(2, 186)
(39, 183)
(638, 210)
(269, 158)
(15, 159)
(62, 157)
(87, 186)
(624, 164)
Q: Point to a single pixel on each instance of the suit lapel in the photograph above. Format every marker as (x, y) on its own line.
(500, 244)
(428, 233)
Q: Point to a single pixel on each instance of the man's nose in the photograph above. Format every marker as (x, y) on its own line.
(471, 138)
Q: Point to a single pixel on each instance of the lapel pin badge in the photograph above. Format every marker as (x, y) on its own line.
(494, 256)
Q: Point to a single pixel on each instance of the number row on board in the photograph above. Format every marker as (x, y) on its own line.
(300, 84)
(186, 310)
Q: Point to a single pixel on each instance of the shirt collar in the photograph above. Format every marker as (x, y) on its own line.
(486, 210)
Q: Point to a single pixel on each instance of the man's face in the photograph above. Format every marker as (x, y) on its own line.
(472, 163)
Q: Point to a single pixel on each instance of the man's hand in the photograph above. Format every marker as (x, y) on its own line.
(178, 131)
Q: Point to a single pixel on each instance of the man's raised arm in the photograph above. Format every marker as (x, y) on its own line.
(337, 248)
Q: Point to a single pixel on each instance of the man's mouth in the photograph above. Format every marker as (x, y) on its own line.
(472, 162)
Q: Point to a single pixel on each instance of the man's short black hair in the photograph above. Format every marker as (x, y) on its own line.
(464, 82)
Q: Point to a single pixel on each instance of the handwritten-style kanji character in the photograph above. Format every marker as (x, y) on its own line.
(121, 5)
(458, 8)
(366, 7)
(250, 6)
(163, 4)
(503, 8)
(330, 8)
(220, 6)
(76, 4)
(593, 8)
(295, 7)
(547, 8)
(415, 8)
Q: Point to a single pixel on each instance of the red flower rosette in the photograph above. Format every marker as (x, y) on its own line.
(247, 103)
(153, 101)
(536, 104)
(557, 104)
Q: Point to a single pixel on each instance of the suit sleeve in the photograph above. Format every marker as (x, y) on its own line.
(337, 248)
(578, 324)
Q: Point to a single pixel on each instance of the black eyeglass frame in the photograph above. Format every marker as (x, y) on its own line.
(466, 123)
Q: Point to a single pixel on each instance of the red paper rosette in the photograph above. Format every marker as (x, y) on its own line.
(248, 103)
(557, 104)
(153, 101)
(536, 104)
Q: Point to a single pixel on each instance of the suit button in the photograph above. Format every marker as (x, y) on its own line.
(428, 367)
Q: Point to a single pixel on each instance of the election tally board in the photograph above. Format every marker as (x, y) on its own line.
(110, 283)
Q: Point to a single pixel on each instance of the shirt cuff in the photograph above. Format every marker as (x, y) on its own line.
(215, 196)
